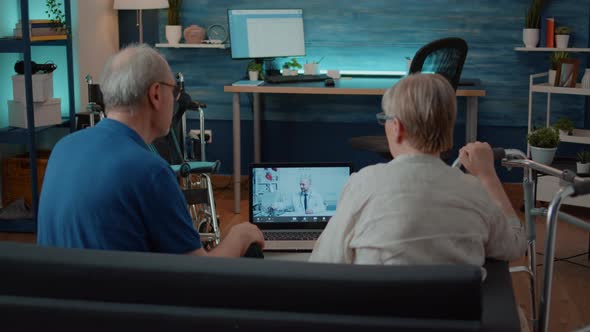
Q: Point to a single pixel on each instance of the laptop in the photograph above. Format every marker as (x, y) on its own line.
(293, 202)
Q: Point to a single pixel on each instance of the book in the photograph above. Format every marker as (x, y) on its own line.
(550, 32)
(37, 21)
(39, 32)
(246, 82)
(45, 38)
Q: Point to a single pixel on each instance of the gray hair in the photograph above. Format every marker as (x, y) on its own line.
(128, 75)
(426, 105)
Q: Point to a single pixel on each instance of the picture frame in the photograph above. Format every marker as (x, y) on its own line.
(567, 73)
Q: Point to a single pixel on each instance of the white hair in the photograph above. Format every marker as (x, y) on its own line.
(128, 75)
(426, 105)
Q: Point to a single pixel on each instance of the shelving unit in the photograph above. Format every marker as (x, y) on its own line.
(220, 46)
(548, 185)
(552, 49)
(27, 136)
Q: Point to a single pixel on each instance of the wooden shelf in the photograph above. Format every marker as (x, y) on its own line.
(546, 88)
(11, 45)
(581, 136)
(552, 49)
(219, 46)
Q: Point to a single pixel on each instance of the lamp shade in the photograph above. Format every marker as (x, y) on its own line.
(140, 4)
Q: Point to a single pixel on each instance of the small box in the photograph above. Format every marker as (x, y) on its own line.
(42, 87)
(46, 114)
(16, 177)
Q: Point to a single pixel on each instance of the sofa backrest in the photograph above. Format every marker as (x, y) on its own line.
(270, 291)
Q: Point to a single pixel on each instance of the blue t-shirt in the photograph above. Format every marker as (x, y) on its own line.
(104, 189)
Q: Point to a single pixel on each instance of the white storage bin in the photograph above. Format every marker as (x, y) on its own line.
(46, 114)
(42, 87)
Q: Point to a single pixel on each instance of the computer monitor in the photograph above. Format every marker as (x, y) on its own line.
(266, 33)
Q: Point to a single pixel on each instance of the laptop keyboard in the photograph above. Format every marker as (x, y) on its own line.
(294, 79)
(278, 236)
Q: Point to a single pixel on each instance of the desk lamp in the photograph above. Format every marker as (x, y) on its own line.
(139, 5)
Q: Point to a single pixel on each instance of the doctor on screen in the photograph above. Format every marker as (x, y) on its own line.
(306, 200)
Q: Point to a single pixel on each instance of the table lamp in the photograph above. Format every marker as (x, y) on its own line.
(139, 5)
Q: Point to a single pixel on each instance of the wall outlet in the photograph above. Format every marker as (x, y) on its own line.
(196, 134)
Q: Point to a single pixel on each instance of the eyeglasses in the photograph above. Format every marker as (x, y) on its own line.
(175, 88)
(382, 118)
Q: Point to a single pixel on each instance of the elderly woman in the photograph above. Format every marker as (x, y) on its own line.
(416, 209)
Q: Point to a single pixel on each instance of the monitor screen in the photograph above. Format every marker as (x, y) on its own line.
(296, 193)
(266, 33)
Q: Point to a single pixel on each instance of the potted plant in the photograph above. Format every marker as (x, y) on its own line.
(290, 67)
(530, 33)
(562, 37)
(57, 16)
(583, 163)
(554, 59)
(543, 144)
(255, 70)
(174, 29)
(565, 126)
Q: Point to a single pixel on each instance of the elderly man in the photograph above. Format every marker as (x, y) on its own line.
(104, 189)
(416, 209)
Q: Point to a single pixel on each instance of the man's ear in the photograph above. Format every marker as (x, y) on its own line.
(154, 95)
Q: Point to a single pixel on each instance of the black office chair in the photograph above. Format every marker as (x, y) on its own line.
(445, 57)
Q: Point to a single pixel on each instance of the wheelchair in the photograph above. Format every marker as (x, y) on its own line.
(194, 175)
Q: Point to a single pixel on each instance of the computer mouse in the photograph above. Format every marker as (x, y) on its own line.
(329, 82)
(254, 251)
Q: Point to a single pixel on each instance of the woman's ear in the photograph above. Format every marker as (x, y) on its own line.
(398, 130)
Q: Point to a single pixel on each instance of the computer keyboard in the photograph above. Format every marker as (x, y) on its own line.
(291, 236)
(294, 79)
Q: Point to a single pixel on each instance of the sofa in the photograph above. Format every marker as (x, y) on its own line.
(91, 290)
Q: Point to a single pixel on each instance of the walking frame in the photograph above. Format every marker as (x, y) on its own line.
(571, 185)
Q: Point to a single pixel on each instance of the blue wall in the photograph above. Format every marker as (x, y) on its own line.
(375, 35)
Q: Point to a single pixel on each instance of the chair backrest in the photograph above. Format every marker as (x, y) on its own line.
(444, 56)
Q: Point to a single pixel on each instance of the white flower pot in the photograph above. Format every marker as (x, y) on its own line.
(530, 37)
(551, 79)
(543, 155)
(173, 34)
(253, 75)
(582, 168)
(561, 41)
(311, 69)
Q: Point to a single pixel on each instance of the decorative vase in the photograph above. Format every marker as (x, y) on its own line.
(586, 79)
(194, 34)
(552, 74)
(561, 41)
(582, 168)
(253, 75)
(173, 34)
(543, 155)
(530, 37)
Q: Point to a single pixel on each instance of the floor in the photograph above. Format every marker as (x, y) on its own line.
(570, 304)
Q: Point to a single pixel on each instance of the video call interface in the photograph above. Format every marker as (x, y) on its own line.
(296, 194)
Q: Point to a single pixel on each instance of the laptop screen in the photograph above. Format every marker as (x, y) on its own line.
(295, 195)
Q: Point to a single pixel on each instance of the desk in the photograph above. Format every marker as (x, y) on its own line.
(354, 87)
